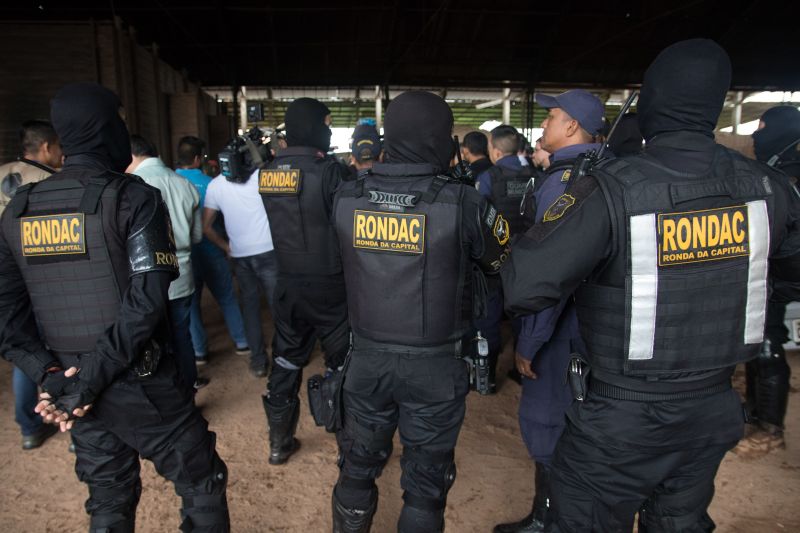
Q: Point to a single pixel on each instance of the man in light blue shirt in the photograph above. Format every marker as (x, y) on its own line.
(209, 264)
(182, 201)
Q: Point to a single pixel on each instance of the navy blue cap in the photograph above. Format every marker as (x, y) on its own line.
(581, 105)
(366, 143)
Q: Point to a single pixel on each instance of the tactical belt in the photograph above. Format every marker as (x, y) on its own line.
(451, 348)
(608, 390)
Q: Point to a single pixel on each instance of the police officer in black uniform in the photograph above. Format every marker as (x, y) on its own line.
(775, 143)
(670, 283)
(413, 243)
(86, 259)
(309, 304)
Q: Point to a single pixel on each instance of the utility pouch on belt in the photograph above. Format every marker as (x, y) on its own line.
(325, 397)
(147, 363)
(479, 365)
(578, 377)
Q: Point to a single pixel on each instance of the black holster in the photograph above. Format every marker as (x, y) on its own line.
(147, 363)
(325, 398)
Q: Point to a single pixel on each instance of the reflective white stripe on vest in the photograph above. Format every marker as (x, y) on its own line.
(756, 309)
(644, 286)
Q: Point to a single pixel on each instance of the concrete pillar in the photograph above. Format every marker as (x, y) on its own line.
(737, 111)
(243, 110)
(378, 107)
(507, 106)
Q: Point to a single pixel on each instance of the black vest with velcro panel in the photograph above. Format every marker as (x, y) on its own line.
(685, 288)
(74, 265)
(509, 187)
(406, 271)
(292, 190)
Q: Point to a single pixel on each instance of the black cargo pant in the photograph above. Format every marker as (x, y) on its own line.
(306, 310)
(618, 457)
(156, 419)
(421, 393)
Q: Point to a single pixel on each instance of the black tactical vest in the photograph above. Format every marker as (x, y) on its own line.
(74, 271)
(405, 268)
(509, 187)
(688, 267)
(293, 194)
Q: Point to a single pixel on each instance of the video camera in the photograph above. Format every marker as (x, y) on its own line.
(245, 153)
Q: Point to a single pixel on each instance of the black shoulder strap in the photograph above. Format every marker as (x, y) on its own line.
(19, 203)
(437, 183)
(92, 194)
(561, 165)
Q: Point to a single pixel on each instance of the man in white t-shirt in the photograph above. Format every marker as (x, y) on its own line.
(249, 245)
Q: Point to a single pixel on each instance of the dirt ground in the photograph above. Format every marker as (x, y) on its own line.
(40, 493)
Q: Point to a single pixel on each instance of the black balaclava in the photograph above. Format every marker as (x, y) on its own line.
(417, 129)
(86, 117)
(781, 128)
(684, 89)
(305, 124)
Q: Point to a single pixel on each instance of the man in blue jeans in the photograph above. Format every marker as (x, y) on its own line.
(249, 245)
(209, 264)
(41, 155)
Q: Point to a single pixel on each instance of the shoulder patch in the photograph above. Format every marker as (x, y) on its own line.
(501, 230)
(558, 208)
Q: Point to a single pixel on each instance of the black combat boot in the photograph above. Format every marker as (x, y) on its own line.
(534, 522)
(347, 520)
(282, 418)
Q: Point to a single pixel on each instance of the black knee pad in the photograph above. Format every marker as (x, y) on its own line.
(441, 463)
(118, 504)
(355, 493)
(205, 505)
(420, 513)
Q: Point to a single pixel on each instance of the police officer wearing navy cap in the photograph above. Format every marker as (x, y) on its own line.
(366, 148)
(86, 259)
(309, 301)
(670, 280)
(414, 246)
(548, 338)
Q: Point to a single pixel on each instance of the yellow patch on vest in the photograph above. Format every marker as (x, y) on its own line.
(53, 235)
(279, 181)
(389, 232)
(558, 208)
(708, 235)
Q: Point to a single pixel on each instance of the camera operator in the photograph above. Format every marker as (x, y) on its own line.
(249, 242)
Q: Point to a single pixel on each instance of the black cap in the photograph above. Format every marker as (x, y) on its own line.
(366, 143)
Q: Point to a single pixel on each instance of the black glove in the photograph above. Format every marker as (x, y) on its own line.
(67, 393)
(55, 382)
